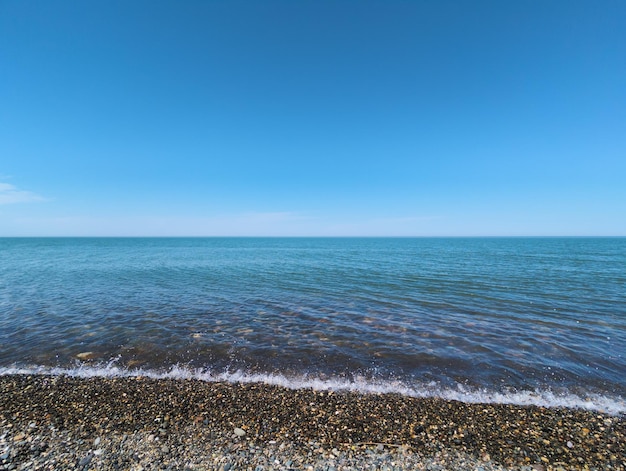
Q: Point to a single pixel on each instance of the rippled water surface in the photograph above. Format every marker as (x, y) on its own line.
(502, 315)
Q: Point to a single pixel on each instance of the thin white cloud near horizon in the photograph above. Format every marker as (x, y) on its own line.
(10, 194)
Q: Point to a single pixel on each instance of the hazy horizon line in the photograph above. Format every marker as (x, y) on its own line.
(486, 236)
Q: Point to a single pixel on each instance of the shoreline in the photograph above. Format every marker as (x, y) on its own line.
(63, 422)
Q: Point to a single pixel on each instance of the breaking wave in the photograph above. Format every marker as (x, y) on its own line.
(614, 405)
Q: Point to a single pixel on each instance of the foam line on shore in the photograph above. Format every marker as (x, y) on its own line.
(614, 405)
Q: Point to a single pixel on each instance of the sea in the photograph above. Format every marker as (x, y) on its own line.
(501, 320)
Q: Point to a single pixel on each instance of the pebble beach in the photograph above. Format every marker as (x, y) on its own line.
(139, 423)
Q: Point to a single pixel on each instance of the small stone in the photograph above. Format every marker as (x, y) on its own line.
(96, 442)
(570, 444)
(20, 436)
(86, 460)
(98, 452)
(165, 449)
(239, 432)
(85, 355)
(486, 457)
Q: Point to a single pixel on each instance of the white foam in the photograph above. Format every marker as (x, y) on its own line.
(614, 405)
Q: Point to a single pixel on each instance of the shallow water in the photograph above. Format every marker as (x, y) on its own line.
(523, 319)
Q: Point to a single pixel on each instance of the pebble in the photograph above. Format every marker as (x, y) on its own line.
(85, 355)
(86, 460)
(284, 429)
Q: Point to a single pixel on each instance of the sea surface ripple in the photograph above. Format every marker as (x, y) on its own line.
(528, 319)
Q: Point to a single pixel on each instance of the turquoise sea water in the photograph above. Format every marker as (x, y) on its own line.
(528, 320)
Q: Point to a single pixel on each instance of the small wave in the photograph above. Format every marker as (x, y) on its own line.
(614, 405)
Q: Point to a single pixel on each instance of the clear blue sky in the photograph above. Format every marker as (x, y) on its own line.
(313, 117)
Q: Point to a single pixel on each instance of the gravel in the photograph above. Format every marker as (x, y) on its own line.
(61, 422)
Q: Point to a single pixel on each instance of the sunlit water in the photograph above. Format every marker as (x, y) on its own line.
(525, 320)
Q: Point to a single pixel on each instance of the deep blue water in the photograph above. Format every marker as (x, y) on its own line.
(519, 319)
